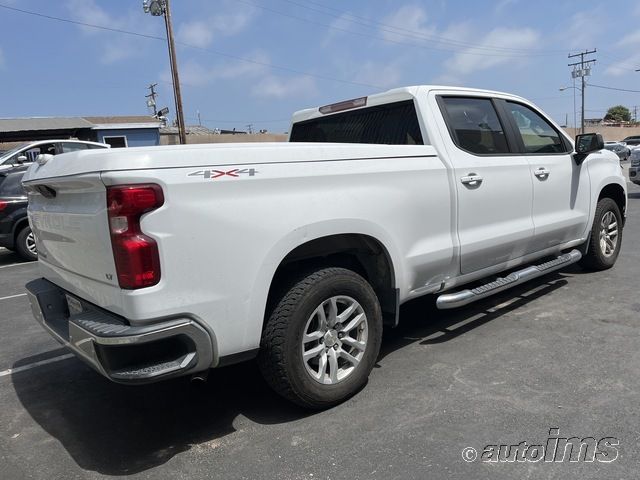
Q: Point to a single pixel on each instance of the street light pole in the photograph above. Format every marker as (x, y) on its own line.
(157, 8)
(562, 89)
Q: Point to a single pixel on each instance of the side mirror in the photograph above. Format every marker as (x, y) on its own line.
(586, 144)
(22, 159)
(589, 142)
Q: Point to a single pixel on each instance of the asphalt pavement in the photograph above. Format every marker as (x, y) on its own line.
(555, 358)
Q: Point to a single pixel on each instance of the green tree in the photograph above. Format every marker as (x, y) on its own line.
(619, 113)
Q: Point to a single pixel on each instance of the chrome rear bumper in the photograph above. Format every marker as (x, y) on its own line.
(119, 351)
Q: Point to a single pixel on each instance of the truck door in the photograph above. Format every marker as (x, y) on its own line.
(561, 189)
(493, 183)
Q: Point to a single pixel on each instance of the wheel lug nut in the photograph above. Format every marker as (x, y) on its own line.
(335, 347)
(341, 335)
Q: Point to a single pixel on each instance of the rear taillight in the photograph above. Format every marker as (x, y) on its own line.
(3, 205)
(135, 254)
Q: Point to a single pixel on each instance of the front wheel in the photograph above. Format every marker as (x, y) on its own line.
(606, 237)
(322, 339)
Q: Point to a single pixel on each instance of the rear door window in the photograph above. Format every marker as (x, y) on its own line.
(390, 124)
(474, 125)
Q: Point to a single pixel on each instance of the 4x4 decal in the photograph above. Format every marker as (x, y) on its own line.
(213, 174)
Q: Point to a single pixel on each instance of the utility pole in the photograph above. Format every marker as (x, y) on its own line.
(152, 98)
(582, 72)
(161, 8)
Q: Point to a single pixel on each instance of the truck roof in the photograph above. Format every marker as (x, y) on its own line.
(399, 94)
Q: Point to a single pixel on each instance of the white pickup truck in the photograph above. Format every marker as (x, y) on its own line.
(167, 261)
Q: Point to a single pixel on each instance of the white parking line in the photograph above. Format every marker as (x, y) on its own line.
(13, 296)
(18, 264)
(11, 371)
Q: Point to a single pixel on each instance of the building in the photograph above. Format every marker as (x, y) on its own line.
(118, 131)
(199, 134)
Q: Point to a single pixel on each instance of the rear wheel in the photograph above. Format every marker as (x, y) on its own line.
(606, 237)
(322, 338)
(26, 244)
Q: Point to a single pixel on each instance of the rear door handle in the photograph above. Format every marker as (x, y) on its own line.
(542, 172)
(471, 179)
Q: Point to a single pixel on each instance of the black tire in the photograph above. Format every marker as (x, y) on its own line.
(595, 258)
(281, 358)
(22, 249)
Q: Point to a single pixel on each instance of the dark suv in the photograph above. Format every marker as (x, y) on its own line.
(15, 233)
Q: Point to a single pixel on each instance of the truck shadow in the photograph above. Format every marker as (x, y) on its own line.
(7, 257)
(121, 430)
(421, 321)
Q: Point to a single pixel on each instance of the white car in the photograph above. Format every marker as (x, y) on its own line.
(634, 165)
(167, 261)
(619, 149)
(28, 152)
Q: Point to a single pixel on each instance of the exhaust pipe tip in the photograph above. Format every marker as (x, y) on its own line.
(199, 378)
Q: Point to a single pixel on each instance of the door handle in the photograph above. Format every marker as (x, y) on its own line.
(471, 179)
(542, 173)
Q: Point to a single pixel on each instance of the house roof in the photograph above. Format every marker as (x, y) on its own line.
(124, 122)
(75, 123)
(123, 119)
(42, 123)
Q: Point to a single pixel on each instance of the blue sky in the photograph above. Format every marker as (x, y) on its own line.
(256, 61)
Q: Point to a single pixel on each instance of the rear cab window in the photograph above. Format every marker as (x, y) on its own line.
(390, 124)
(474, 125)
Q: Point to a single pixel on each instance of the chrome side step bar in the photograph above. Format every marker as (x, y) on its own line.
(464, 297)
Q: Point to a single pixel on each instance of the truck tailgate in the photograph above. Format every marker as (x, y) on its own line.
(69, 220)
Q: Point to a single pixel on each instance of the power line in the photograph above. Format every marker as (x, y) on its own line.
(359, 20)
(613, 88)
(91, 25)
(183, 44)
(619, 62)
(472, 50)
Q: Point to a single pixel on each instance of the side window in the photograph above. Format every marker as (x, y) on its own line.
(116, 142)
(31, 154)
(538, 136)
(72, 147)
(474, 125)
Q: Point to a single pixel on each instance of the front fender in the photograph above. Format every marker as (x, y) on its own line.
(604, 169)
